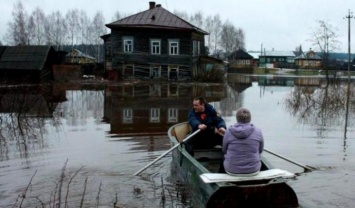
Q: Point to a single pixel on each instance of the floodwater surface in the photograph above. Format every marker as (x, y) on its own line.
(78, 145)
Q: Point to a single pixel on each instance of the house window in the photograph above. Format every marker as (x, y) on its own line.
(173, 47)
(196, 47)
(154, 72)
(128, 44)
(155, 46)
(173, 115)
(154, 115)
(127, 115)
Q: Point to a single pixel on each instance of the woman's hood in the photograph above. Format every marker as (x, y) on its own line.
(242, 130)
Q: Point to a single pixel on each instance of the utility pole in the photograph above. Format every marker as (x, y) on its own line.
(349, 16)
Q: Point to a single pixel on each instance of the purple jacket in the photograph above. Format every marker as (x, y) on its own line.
(243, 144)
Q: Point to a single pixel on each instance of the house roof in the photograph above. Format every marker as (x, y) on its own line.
(309, 55)
(156, 17)
(24, 57)
(2, 48)
(79, 54)
(240, 54)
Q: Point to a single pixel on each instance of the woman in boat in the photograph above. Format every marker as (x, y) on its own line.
(204, 117)
(242, 146)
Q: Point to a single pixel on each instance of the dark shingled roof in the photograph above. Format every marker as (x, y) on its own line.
(240, 54)
(24, 57)
(157, 17)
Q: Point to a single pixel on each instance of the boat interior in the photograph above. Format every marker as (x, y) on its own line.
(209, 158)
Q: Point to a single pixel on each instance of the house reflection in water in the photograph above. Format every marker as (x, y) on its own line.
(150, 109)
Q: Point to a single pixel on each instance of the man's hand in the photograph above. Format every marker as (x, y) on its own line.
(221, 131)
(202, 126)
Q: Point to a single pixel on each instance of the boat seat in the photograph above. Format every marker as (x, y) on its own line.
(262, 175)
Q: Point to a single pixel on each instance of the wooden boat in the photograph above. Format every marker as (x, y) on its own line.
(273, 192)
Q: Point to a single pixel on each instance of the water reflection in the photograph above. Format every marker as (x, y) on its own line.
(113, 130)
(44, 126)
(323, 105)
(24, 111)
(148, 110)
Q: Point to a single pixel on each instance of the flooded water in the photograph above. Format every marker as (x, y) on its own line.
(72, 145)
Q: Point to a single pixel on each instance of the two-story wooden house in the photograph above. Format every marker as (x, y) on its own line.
(309, 60)
(277, 59)
(153, 44)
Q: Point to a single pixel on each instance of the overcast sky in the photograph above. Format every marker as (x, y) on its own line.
(275, 24)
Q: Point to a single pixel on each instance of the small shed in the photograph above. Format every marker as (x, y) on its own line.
(27, 63)
(240, 61)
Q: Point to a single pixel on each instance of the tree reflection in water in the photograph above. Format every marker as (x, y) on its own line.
(324, 106)
(24, 112)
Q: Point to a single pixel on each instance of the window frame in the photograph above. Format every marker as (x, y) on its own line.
(153, 47)
(174, 50)
(124, 43)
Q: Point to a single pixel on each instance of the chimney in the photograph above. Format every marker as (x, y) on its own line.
(158, 5)
(151, 5)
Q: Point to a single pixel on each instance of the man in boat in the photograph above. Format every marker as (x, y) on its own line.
(204, 116)
(242, 146)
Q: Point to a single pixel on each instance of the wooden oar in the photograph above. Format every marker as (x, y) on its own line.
(167, 152)
(306, 168)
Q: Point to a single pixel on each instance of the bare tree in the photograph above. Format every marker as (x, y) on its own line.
(183, 15)
(84, 28)
(208, 28)
(216, 26)
(239, 40)
(325, 39)
(36, 27)
(232, 38)
(72, 23)
(55, 29)
(197, 19)
(17, 29)
(118, 15)
(228, 35)
(98, 29)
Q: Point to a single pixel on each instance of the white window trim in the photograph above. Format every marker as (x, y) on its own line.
(177, 47)
(152, 41)
(125, 39)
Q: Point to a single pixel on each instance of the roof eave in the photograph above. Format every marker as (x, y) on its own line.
(156, 27)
